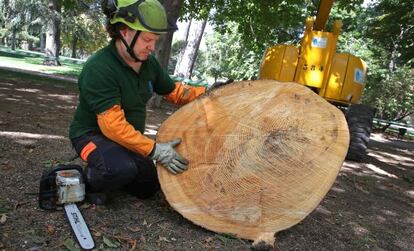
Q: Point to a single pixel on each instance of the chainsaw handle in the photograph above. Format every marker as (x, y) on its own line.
(47, 188)
(62, 167)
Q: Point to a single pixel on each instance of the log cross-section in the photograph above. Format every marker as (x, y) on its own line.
(262, 156)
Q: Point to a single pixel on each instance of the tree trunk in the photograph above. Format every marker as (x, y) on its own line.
(42, 43)
(397, 119)
(394, 51)
(30, 45)
(185, 65)
(187, 31)
(180, 56)
(262, 155)
(13, 40)
(74, 45)
(53, 34)
(164, 44)
(163, 49)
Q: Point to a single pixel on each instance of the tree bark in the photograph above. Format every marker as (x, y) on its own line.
(262, 155)
(185, 65)
(394, 51)
(187, 31)
(53, 34)
(13, 40)
(42, 42)
(180, 56)
(30, 45)
(163, 49)
(74, 45)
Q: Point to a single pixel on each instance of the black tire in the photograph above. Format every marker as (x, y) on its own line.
(359, 118)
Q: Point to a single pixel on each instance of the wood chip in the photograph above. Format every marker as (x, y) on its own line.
(3, 218)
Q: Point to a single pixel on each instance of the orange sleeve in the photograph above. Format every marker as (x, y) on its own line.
(183, 94)
(114, 126)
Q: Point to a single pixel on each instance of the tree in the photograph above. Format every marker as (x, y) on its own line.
(83, 34)
(257, 25)
(83, 29)
(18, 19)
(390, 32)
(262, 23)
(53, 33)
(178, 47)
(188, 57)
(392, 26)
(394, 95)
(228, 58)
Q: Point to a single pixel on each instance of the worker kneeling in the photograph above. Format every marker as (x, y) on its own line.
(114, 88)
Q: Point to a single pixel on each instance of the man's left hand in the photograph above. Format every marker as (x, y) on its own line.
(165, 154)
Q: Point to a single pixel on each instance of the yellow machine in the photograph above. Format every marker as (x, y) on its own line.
(337, 77)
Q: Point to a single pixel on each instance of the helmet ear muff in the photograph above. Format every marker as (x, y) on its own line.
(109, 7)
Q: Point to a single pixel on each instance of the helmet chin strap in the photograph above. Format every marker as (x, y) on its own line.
(130, 47)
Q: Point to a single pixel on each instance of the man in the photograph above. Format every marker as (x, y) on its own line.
(115, 85)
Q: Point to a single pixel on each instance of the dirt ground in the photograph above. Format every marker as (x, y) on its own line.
(370, 206)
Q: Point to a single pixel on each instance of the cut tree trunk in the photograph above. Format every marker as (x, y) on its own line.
(262, 156)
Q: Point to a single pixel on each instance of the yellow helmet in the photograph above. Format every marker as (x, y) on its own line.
(140, 15)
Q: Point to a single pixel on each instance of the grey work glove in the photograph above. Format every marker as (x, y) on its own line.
(168, 157)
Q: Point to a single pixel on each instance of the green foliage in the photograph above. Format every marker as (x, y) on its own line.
(393, 96)
(378, 35)
(19, 18)
(83, 27)
(81, 21)
(260, 23)
(392, 26)
(263, 23)
(84, 31)
(244, 29)
(200, 66)
(228, 58)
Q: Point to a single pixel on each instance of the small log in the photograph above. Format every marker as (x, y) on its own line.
(262, 156)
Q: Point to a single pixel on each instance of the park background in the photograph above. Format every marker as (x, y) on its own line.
(44, 43)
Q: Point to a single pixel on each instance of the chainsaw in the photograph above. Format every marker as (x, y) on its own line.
(64, 186)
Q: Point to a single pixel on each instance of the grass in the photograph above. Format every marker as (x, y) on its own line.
(34, 62)
(22, 76)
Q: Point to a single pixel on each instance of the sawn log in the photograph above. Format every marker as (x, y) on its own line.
(262, 156)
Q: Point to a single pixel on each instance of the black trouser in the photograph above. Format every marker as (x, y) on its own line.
(112, 167)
